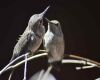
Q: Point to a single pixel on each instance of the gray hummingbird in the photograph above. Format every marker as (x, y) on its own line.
(32, 37)
(54, 41)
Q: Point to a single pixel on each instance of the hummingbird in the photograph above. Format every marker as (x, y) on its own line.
(54, 42)
(32, 37)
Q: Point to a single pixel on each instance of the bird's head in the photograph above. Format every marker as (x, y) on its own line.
(36, 20)
(55, 23)
(54, 26)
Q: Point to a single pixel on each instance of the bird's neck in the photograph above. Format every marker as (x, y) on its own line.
(39, 31)
(49, 29)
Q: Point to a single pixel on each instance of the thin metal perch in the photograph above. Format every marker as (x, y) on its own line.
(25, 67)
(83, 61)
(11, 63)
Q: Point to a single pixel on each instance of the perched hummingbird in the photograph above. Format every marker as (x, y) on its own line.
(32, 37)
(54, 41)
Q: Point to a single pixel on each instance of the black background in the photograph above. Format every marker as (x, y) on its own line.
(80, 25)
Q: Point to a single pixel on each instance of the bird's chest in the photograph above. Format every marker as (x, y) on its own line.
(51, 39)
(48, 38)
(35, 44)
(40, 31)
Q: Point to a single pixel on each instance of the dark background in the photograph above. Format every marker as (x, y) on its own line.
(80, 25)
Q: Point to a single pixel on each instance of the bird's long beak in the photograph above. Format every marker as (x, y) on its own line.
(47, 20)
(44, 12)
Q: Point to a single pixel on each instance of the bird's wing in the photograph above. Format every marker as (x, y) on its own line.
(22, 44)
(59, 48)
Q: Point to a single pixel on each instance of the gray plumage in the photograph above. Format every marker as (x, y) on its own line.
(31, 39)
(54, 41)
